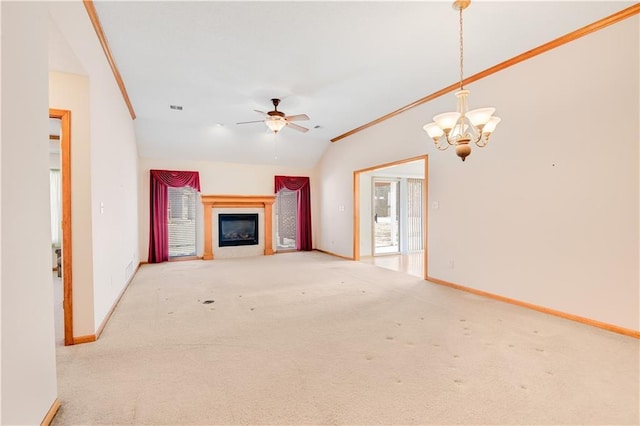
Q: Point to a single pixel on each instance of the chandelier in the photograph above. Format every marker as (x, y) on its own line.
(462, 127)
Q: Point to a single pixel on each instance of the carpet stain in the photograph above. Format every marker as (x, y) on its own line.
(523, 387)
(539, 349)
(458, 381)
(463, 320)
(399, 324)
(208, 302)
(512, 346)
(169, 313)
(398, 381)
(389, 337)
(456, 356)
(437, 345)
(369, 357)
(252, 309)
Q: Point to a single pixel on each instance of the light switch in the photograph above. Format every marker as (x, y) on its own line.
(435, 205)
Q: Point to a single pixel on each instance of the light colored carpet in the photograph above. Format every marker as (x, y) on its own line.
(306, 338)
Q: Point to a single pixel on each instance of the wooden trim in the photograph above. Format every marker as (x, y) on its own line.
(240, 201)
(51, 413)
(356, 216)
(583, 320)
(392, 163)
(574, 35)
(184, 258)
(97, 26)
(84, 339)
(334, 254)
(425, 233)
(65, 173)
(115, 304)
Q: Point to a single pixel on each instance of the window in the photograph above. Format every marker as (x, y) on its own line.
(182, 221)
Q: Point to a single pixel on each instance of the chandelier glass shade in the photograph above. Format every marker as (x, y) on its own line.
(275, 123)
(462, 127)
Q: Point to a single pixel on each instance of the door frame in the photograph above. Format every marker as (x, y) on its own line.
(356, 206)
(65, 172)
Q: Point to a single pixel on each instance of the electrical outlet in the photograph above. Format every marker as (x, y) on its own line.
(451, 264)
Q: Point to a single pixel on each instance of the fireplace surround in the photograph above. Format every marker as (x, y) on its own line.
(264, 202)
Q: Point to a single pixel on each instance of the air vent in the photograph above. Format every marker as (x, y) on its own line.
(176, 107)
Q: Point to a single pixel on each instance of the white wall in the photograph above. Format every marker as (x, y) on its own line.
(548, 212)
(111, 161)
(216, 179)
(71, 92)
(28, 353)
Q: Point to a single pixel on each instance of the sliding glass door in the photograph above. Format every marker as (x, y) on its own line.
(386, 219)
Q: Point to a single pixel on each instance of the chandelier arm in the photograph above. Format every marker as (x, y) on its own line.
(449, 141)
(484, 141)
(481, 141)
(441, 147)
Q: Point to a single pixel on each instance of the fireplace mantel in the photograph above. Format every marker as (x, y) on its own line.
(235, 201)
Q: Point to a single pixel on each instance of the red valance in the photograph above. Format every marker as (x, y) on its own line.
(177, 179)
(292, 183)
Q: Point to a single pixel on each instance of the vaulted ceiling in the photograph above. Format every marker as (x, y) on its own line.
(342, 63)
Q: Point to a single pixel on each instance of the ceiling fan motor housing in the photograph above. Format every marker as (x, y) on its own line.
(275, 111)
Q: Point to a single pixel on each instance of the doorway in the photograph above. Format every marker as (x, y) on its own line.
(390, 200)
(64, 138)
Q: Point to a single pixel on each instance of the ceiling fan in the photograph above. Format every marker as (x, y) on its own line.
(276, 120)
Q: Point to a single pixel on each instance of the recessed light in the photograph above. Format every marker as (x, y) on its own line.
(176, 107)
(219, 125)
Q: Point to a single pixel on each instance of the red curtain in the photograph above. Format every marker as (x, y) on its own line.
(158, 221)
(303, 188)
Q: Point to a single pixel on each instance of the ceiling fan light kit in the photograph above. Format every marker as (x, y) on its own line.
(462, 127)
(276, 120)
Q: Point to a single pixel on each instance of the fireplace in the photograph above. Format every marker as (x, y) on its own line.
(240, 229)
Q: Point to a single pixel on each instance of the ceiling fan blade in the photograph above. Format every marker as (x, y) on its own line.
(298, 128)
(260, 112)
(247, 122)
(299, 117)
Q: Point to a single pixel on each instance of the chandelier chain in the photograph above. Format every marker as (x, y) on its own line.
(461, 51)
